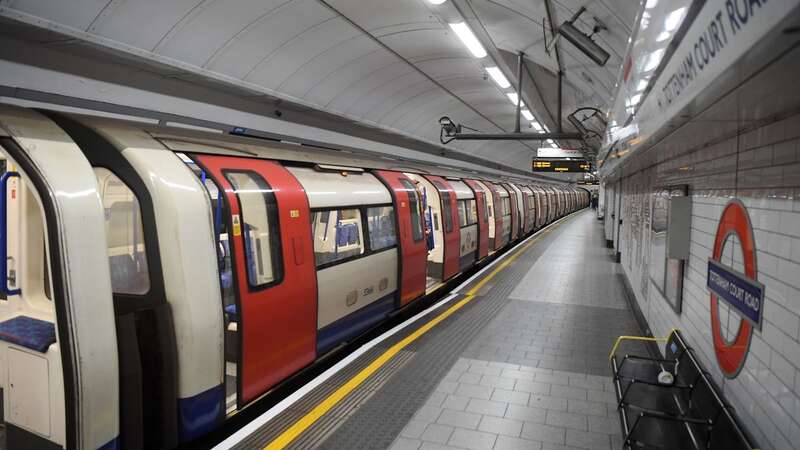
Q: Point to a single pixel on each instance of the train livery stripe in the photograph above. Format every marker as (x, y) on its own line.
(323, 407)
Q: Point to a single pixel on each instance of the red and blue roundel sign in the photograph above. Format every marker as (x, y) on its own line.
(741, 291)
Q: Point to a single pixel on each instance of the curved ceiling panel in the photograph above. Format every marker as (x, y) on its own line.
(135, 24)
(201, 34)
(394, 64)
(370, 82)
(391, 87)
(318, 68)
(239, 55)
(346, 75)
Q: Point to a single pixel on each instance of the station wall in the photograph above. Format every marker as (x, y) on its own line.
(758, 164)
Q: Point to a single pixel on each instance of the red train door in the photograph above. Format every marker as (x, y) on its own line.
(483, 225)
(413, 251)
(498, 216)
(274, 276)
(452, 233)
(512, 199)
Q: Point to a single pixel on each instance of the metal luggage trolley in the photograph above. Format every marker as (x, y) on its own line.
(672, 402)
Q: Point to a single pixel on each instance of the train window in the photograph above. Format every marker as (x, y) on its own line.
(447, 208)
(380, 221)
(506, 201)
(413, 204)
(486, 211)
(467, 212)
(338, 235)
(127, 258)
(259, 227)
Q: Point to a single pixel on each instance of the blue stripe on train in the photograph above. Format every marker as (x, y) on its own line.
(354, 324)
(201, 413)
(110, 445)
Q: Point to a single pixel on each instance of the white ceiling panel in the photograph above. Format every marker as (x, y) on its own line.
(317, 68)
(79, 15)
(238, 56)
(201, 34)
(394, 64)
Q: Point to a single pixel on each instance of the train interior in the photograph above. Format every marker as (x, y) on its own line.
(489, 202)
(225, 266)
(30, 356)
(434, 233)
(505, 212)
(468, 224)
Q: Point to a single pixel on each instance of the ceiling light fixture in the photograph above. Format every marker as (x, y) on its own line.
(513, 97)
(468, 38)
(527, 114)
(436, 2)
(498, 77)
(674, 19)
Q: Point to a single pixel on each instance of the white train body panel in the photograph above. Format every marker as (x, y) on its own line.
(461, 189)
(87, 281)
(188, 258)
(469, 240)
(347, 287)
(331, 189)
(489, 198)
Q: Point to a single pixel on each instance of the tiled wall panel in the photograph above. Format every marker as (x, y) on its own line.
(760, 167)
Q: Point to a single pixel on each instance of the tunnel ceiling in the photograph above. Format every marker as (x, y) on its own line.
(391, 64)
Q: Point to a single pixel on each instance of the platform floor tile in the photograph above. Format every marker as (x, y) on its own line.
(523, 364)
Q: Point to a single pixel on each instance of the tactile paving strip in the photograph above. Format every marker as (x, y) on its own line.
(363, 419)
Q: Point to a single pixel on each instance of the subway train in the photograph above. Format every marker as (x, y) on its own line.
(157, 280)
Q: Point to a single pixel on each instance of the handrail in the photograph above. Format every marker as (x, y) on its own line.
(4, 234)
(639, 338)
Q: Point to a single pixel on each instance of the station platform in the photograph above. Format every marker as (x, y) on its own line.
(514, 358)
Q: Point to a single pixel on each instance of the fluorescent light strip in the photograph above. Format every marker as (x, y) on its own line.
(436, 2)
(498, 77)
(468, 38)
(527, 114)
(513, 97)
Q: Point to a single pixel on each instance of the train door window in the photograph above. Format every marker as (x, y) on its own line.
(467, 212)
(338, 235)
(413, 204)
(506, 205)
(380, 221)
(447, 209)
(124, 235)
(462, 214)
(259, 227)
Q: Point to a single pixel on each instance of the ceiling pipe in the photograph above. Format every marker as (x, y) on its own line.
(513, 136)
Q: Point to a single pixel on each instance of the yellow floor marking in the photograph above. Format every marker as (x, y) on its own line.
(323, 407)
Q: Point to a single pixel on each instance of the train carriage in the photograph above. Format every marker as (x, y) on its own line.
(147, 284)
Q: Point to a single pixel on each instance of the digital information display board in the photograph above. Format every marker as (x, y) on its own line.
(561, 165)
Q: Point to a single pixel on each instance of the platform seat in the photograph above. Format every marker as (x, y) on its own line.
(690, 412)
(28, 332)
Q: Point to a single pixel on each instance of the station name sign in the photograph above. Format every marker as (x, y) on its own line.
(715, 33)
(560, 165)
(738, 290)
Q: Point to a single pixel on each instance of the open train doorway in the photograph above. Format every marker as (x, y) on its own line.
(441, 229)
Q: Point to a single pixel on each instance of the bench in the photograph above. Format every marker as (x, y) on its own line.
(28, 332)
(673, 403)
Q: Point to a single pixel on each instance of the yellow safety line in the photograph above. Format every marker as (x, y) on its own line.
(639, 338)
(323, 407)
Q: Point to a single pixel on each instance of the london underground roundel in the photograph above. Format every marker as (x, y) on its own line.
(741, 291)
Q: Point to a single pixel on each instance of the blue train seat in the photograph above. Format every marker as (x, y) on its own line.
(28, 332)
